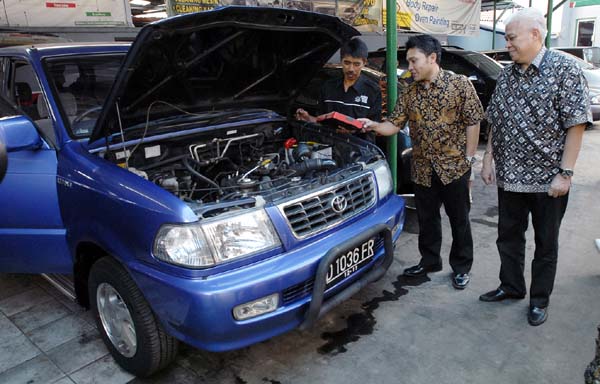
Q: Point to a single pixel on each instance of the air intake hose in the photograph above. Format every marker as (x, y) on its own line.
(313, 165)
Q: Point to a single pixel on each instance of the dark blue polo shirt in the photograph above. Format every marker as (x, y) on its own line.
(363, 99)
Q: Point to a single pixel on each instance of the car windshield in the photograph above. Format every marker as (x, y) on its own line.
(80, 85)
(485, 64)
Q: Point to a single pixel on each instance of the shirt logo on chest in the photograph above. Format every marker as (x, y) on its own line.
(361, 99)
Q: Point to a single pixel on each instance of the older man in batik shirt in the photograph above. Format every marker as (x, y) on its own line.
(537, 116)
(443, 113)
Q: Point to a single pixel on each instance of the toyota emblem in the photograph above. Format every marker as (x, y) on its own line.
(339, 204)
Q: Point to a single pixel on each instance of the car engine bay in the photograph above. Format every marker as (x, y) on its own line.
(221, 170)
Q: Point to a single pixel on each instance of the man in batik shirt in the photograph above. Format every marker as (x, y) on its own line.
(537, 115)
(443, 113)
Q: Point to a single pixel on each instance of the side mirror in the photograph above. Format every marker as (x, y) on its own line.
(19, 134)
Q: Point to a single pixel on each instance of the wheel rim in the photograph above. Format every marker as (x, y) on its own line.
(116, 320)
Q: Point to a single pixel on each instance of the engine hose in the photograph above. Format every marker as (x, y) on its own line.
(186, 162)
(313, 165)
(162, 162)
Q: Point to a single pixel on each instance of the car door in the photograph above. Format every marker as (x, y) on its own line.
(32, 234)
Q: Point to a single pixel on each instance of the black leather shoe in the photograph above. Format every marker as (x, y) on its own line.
(460, 280)
(537, 315)
(420, 270)
(498, 295)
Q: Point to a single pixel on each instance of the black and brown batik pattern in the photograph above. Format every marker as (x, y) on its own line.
(438, 116)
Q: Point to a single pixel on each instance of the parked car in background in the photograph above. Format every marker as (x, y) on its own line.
(591, 73)
(500, 55)
(588, 54)
(161, 185)
(479, 69)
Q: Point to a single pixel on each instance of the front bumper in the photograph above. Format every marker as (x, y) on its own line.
(199, 311)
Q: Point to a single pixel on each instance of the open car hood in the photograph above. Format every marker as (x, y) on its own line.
(231, 57)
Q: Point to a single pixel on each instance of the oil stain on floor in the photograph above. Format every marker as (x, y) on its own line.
(361, 324)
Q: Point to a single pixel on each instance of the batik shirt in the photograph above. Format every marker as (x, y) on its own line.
(438, 116)
(530, 113)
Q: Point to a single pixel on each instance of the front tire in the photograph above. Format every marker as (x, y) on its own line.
(126, 323)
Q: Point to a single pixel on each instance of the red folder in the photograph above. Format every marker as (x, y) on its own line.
(339, 119)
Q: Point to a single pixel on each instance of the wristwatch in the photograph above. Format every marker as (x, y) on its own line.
(471, 160)
(565, 172)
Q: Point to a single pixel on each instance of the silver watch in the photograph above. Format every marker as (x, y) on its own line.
(566, 172)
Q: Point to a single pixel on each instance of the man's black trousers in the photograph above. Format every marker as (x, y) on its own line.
(455, 198)
(546, 215)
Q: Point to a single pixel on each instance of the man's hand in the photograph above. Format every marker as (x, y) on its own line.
(560, 186)
(487, 170)
(301, 114)
(367, 124)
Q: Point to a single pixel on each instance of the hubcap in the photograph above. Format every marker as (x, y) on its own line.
(116, 320)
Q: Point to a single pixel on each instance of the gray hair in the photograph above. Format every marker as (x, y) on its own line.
(531, 17)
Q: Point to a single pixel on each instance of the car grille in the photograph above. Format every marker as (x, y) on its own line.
(318, 211)
(298, 291)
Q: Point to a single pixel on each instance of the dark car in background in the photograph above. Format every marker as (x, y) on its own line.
(500, 55)
(481, 70)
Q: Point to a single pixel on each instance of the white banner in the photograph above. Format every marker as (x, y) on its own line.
(65, 13)
(440, 17)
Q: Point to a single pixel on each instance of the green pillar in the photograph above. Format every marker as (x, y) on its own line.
(494, 28)
(392, 81)
(549, 22)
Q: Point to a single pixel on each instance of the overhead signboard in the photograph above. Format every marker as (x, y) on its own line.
(440, 17)
(67, 13)
(365, 15)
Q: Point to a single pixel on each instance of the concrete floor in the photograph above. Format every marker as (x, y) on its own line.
(394, 331)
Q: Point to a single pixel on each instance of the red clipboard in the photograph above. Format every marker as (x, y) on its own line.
(337, 119)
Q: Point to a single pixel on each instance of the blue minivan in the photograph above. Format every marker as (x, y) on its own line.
(165, 186)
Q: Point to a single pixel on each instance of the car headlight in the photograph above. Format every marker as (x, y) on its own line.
(595, 99)
(216, 241)
(383, 176)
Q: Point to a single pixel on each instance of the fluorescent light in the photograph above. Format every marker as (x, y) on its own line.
(156, 15)
(142, 3)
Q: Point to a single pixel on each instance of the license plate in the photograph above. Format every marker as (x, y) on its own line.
(349, 262)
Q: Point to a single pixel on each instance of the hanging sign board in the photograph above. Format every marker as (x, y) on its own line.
(65, 13)
(439, 17)
(364, 15)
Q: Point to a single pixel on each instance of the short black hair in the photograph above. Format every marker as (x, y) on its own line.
(426, 44)
(355, 48)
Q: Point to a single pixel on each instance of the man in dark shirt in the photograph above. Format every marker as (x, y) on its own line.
(443, 113)
(537, 116)
(353, 94)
